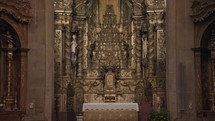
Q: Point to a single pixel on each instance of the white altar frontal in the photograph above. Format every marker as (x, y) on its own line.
(110, 111)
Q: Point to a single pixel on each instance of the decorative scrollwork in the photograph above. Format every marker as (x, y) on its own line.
(20, 10)
(202, 10)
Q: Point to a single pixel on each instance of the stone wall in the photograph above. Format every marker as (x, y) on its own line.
(180, 61)
(40, 62)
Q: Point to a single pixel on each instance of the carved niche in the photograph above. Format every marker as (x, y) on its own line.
(208, 80)
(203, 18)
(14, 17)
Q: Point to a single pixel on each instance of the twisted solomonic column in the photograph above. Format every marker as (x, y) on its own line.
(138, 49)
(151, 42)
(67, 46)
(151, 49)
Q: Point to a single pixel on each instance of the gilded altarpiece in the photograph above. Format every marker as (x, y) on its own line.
(109, 51)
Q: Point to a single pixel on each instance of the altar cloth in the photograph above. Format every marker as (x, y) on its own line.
(110, 106)
(110, 111)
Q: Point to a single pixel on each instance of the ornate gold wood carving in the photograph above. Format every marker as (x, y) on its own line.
(125, 43)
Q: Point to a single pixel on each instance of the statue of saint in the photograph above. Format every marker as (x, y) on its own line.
(8, 39)
(145, 44)
(74, 46)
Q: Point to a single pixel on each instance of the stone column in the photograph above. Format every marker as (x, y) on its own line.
(49, 57)
(198, 81)
(23, 81)
(181, 82)
(40, 81)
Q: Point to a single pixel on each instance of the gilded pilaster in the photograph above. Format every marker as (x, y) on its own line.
(62, 49)
(161, 45)
(157, 50)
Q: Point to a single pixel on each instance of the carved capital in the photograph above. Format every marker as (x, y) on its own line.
(63, 5)
(155, 5)
(62, 17)
(152, 18)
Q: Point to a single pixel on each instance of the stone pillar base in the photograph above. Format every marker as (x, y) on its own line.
(35, 118)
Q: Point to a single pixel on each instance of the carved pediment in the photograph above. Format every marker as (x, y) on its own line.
(202, 10)
(20, 10)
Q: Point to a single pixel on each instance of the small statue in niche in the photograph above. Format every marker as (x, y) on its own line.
(127, 49)
(145, 44)
(90, 50)
(143, 33)
(74, 48)
(8, 39)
